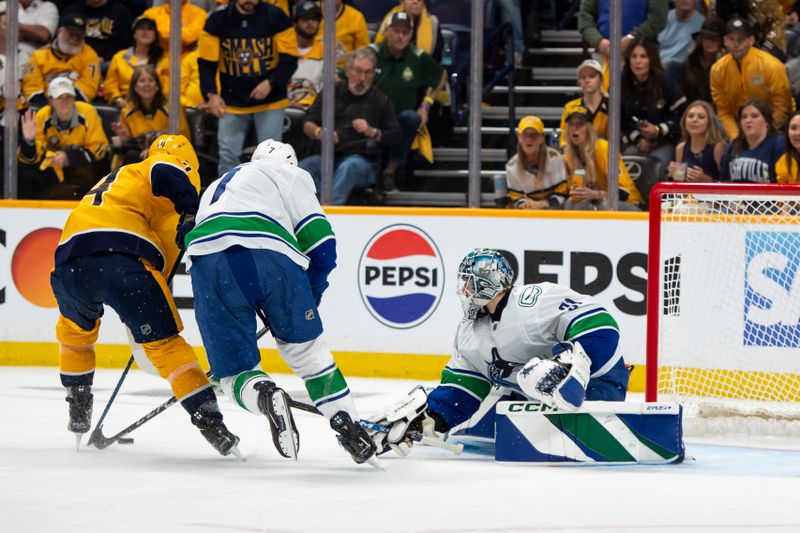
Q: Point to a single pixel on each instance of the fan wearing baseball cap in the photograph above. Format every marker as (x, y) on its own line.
(67, 142)
(67, 55)
(747, 73)
(535, 175)
(594, 99)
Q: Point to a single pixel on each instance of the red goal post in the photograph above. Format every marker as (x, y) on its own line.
(723, 295)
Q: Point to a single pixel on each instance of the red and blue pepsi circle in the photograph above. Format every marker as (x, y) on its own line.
(401, 276)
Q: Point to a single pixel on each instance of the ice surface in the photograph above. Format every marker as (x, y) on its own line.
(171, 480)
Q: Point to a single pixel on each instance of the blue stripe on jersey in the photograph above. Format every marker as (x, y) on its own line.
(306, 220)
(600, 345)
(454, 405)
(248, 235)
(104, 241)
(592, 311)
(241, 214)
(223, 184)
(317, 374)
(332, 398)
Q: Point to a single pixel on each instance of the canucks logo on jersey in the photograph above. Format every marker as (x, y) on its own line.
(500, 369)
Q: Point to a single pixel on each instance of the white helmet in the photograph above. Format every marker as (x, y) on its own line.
(275, 151)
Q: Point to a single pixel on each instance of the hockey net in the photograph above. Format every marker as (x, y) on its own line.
(723, 319)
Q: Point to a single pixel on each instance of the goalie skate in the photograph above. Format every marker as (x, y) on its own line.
(354, 439)
(274, 403)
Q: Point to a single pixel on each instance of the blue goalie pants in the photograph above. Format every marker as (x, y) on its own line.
(229, 287)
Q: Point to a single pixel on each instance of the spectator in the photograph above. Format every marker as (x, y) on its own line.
(675, 40)
(37, 25)
(640, 19)
(594, 100)
(193, 19)
(535, 176)
(67, 139)
(695, 73)
(364, 125)
(699, 154)
(351, 31)
(753, 154)
(651, 106)
(251, 44)
(146, 50)
(307, 79)
(766, 19)
(787, 169)
(107, 25)
(747, 73)
(427, 35)
(411, 79)
(144, 118)
(191, 96)
(283, 4)
(587, 152)
(67, 56)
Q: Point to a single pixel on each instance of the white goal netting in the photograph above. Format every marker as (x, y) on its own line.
(729, 310)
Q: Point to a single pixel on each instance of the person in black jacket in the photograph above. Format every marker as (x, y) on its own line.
(108, 26)
(364, 124)
(652, 105)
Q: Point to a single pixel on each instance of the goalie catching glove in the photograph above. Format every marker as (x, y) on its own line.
(559, 382)
(397, 427)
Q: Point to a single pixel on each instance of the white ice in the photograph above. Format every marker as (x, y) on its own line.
(171, 480)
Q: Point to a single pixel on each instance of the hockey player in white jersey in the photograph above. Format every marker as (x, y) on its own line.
(542, 341)
(262, 244)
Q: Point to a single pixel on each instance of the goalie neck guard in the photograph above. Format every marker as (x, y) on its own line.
(482, 275)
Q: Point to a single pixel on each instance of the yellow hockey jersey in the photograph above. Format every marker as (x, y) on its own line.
(133, 210)
(120, 71)
(83, 138)
(47, 64)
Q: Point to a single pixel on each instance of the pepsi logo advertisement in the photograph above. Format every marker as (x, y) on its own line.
(401, 276)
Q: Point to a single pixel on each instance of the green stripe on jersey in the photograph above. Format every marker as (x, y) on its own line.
(477, 386)
(595, 321)
(315, 231)
(223, 224)
(326, 385)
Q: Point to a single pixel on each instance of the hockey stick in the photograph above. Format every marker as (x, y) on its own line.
(97, 433)
(100, 441)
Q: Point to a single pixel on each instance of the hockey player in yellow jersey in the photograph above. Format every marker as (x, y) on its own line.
(115, 249)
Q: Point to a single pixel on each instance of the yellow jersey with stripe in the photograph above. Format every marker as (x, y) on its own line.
(141, 123)
(47, 63)
(82, 138)
(134, 210)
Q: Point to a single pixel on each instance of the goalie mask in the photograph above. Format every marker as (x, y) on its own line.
(482, 275)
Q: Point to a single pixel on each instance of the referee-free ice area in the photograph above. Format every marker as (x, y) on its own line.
(171, 480)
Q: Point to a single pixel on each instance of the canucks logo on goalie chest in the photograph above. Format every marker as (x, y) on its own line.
(772, 289)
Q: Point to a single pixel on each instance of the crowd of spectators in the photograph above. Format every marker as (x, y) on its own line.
(707, 89)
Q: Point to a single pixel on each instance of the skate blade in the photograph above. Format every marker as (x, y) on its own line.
(374, 463)
(78, 438)
(282, 425)
(236, 453)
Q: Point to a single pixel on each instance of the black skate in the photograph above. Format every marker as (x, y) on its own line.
(274, 403)
(79, 398)
(208, 420)
(354, 438)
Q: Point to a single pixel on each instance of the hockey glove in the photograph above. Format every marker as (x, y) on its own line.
(396, 427)
(559, 382)
(185, 225)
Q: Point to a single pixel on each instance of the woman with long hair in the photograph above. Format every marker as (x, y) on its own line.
(695, 76)
(699, 154)
(752, 156)
(145, 51)
(651, 105)
(787, 169)
(586, 157)
(535, 176)
(143, 118)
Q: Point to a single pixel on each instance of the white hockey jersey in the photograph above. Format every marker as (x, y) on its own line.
(261, 205)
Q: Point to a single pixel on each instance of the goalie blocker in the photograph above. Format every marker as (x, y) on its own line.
(598, 432)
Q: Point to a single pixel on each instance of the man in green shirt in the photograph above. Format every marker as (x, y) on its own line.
(411, 79)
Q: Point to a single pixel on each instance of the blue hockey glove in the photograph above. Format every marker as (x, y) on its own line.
(559, 382)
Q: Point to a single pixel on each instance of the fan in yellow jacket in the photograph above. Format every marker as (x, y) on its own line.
(68, 56)
(351, 31)
(193, 19)
(746, 73)
(115, 249)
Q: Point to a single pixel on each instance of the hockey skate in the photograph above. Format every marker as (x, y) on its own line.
(274, 403)
(208, 420)
(80, 399)
(354, 439)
